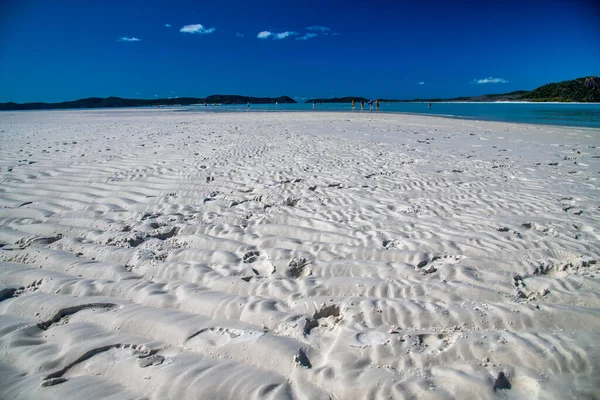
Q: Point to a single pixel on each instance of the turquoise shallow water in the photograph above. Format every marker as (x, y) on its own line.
(563, 114)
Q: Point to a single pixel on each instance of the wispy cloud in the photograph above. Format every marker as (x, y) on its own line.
(420, 83)
(318, 28)
(264, 35)
(167, 25)
(128, 39)
(197, 29)
(489, 80)
(283, 35)
(307, 36)
(275, 36)
(239, 34)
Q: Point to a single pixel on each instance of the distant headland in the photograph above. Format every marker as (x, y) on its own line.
(582, 90)
(99, 102)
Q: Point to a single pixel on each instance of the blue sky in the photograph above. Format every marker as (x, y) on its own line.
(65, 49)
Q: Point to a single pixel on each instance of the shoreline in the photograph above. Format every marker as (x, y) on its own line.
(383, 112)
(307, 112)
(262, 108)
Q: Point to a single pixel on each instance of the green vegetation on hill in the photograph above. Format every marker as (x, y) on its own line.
(99, 102)
(579, 90)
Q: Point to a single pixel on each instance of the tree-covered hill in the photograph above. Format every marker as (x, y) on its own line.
(578, 90)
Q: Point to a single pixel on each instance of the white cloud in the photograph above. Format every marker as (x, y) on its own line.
(318, 28)
(128, 39)
(264, 35)
(337, 34)
(489, 80)
(197, 29)
(284, 35)
(275, 36)
(307, 36)
(167, 25)
(421, 83)
(239, 34)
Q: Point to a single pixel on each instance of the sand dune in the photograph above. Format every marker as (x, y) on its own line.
(163, 254)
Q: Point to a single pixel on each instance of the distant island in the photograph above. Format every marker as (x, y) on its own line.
(583, 90)
(99, 102)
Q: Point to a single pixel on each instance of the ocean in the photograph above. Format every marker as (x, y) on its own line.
(563, 114)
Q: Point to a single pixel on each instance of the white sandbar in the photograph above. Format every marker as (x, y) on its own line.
(171, 255)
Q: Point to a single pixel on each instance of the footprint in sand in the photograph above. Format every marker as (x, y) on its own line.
(327, 316)
(560, 263)
(366, 339)
(217, 337)
(299, 268)
(33, 287)
(34, 241)
(118, 350)
(250, 257)
(433, 342)
(439, 262)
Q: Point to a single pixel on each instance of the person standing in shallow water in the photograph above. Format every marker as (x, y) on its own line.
(353, 104)
(248, 105)
(377, 105)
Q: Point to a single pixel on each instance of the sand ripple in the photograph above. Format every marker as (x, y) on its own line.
(159, 254)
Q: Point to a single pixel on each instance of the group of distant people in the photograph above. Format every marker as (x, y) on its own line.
(370, 103)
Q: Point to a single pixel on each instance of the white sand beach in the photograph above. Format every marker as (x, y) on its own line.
(160, 254)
